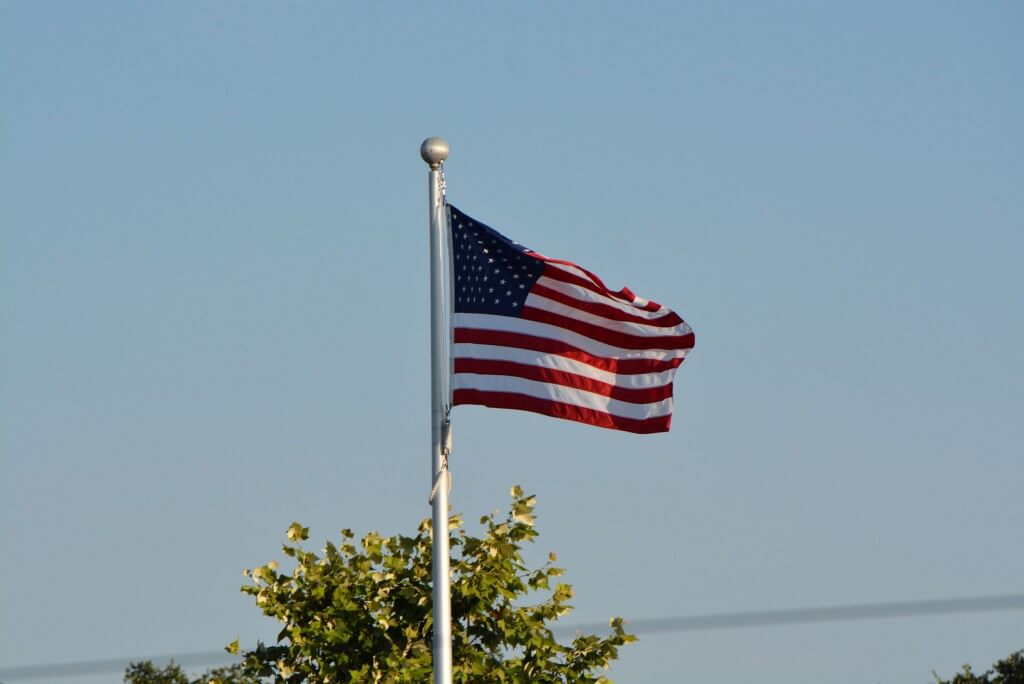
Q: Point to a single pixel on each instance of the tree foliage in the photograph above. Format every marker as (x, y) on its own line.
(362, 612)
(1010, 670)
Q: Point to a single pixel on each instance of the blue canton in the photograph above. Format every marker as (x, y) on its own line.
(493, 275)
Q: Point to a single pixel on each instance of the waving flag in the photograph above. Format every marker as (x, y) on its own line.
(544, 335)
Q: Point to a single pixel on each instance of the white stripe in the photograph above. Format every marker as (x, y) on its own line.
(465, 350)
(566, 395)
(553, 332)
(639, 330)
(637, 302)
(583, 294)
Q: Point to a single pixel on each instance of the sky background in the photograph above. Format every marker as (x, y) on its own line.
(214, 311)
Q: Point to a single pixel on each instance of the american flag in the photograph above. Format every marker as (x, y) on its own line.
(544, 335)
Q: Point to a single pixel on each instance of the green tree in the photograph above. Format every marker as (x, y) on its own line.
(145, 672)
(1010, 670)
(362, 612)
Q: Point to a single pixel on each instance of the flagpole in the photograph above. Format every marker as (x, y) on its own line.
(434, 151)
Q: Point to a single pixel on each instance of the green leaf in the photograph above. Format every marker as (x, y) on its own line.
(297, 532)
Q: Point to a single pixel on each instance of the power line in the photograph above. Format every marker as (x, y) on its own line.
(845, 613)
(688, 623)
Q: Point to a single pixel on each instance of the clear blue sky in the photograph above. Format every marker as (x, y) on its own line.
(213, 310)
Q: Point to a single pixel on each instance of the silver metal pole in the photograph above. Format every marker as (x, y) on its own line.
(434, 151)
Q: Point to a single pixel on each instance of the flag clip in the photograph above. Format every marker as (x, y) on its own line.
(446, 433)
(446, 449)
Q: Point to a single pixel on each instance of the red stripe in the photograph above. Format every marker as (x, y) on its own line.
(594, 284)
(644, 395)
(500, 338)
(556, 409)
(627, 294)
(596, 332)
(573, 279)
(669, 320)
